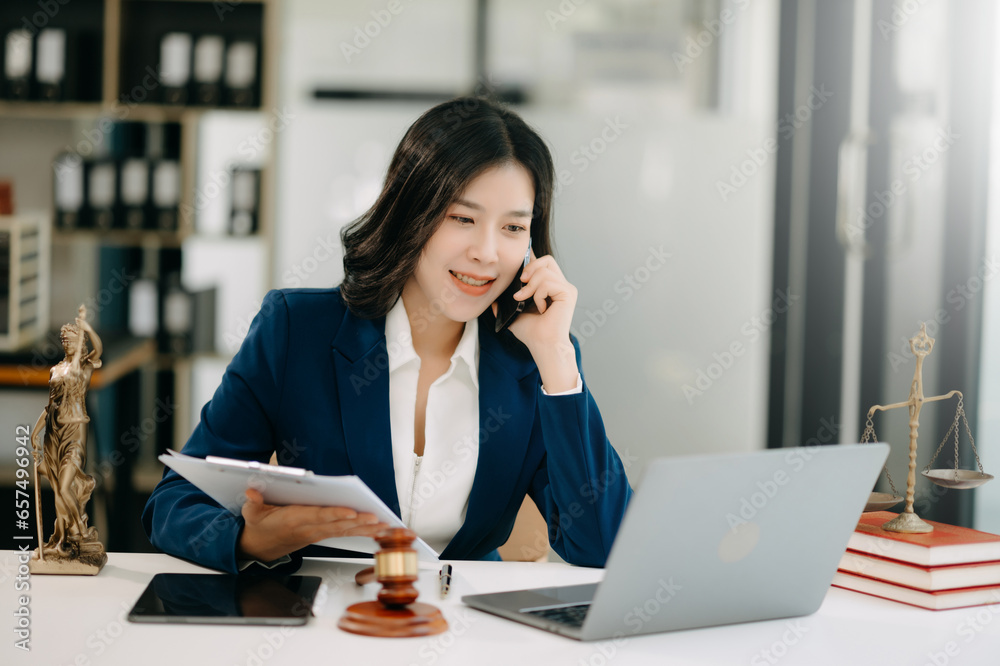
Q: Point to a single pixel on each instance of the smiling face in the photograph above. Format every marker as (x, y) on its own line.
(478, 248)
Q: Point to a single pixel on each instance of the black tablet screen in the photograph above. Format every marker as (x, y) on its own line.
(226, 599)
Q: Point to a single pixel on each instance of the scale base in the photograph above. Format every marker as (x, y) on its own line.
(907, 523)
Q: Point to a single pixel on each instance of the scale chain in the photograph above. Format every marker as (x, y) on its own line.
(959, 413)
(869, 436)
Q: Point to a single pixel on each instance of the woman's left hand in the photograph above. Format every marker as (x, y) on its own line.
(545, 332)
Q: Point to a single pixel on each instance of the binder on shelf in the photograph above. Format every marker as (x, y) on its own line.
(143, 308)
(177, 317)
(102, 194)
(166, 194)
(18, 65)
(135, 184)
(70, 191)
(209, 53)
(243, 216)
(50, 67)
(175, 67)
(203, 329)
(241, 73)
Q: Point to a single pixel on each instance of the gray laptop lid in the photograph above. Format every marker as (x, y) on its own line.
(718, 539)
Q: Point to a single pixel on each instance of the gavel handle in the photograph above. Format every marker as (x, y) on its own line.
(365, 576)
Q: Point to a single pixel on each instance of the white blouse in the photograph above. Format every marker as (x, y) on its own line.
(433, 489)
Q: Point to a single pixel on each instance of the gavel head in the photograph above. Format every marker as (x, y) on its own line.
(396, 567)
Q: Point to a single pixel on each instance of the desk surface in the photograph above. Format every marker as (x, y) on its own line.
(81, 620)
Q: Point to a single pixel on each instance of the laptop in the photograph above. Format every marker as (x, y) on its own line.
(714, 539)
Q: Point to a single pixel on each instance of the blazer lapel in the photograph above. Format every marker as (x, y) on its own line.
(508, 385)
(362, 364)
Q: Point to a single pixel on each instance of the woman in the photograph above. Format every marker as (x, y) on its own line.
(61, 458)
(398, 376)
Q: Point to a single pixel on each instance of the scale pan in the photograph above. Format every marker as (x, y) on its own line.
(881, 501)
(957, 478)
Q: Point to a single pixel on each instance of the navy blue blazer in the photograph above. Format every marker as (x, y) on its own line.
(311, 383)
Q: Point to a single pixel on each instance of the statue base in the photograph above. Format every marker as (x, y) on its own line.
(85, 558)
(907, 523)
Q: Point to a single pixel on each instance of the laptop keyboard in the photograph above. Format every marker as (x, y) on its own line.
(569, 615)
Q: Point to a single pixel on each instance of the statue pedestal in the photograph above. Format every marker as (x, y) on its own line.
(84, 559)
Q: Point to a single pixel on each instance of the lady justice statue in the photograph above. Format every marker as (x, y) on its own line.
(73, 547)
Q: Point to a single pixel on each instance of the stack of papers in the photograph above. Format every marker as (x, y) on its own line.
(225, 480)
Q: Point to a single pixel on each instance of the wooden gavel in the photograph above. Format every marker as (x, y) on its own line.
(396, 613)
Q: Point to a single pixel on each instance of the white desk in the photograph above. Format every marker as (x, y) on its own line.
(81, 620)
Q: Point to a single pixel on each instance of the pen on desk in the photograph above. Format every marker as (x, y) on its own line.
(445, 580)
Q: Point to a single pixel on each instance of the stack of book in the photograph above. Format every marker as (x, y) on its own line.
(951, 567)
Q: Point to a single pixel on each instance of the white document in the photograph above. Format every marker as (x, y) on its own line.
(225, 480)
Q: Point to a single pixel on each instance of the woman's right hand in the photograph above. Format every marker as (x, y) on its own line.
(274, 531)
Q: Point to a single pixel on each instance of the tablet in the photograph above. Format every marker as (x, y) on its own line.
(226, 599)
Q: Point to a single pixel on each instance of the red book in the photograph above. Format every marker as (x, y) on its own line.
(929, 579)
(940, 600)
(947, 544)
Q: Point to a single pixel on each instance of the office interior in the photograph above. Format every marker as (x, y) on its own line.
(759, 202)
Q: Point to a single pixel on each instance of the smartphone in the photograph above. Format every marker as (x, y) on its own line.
(226, 599)
(507, 307)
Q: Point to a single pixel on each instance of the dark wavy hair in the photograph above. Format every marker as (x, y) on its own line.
(440, 154)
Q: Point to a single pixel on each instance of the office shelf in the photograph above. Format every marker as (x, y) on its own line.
(123, 40)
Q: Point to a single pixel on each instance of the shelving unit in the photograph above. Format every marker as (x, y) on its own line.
(124, 37)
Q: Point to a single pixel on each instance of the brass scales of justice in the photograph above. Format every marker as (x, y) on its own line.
(907, 521)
